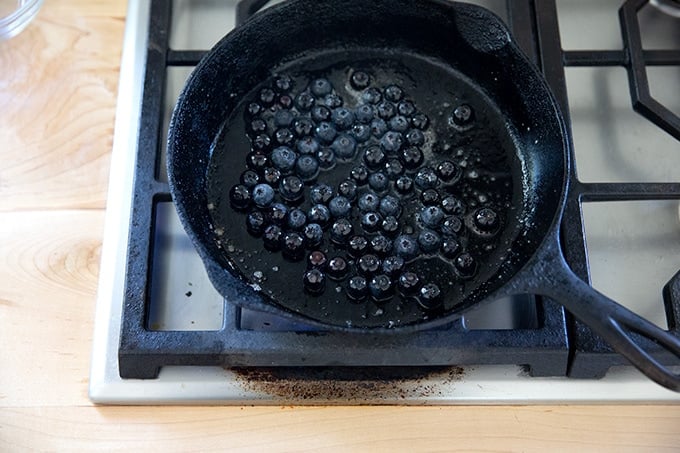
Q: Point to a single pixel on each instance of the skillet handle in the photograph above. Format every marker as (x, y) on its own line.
(613, 322)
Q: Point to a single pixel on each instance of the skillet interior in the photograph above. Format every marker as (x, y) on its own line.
(449, 37)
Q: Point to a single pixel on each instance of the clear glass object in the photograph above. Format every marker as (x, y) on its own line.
(15, 15)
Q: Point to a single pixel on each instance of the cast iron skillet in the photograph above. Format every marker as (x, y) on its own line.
(474, 43)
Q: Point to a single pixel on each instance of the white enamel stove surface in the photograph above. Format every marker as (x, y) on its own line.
(634, 247)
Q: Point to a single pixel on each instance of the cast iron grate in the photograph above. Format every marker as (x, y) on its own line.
(557, 346)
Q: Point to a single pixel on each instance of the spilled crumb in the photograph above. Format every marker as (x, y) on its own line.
(349, 384)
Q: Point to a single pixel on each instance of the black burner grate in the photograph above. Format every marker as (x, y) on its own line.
(557, 346)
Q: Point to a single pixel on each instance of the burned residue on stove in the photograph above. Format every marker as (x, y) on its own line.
(349, 384)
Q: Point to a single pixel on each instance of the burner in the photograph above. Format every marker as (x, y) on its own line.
(671, 7)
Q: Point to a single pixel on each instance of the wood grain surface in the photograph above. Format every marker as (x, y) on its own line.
(58, 84)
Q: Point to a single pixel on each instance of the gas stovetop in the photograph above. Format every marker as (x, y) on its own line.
(164, 335)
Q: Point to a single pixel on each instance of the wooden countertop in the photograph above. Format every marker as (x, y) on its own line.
(58, 83)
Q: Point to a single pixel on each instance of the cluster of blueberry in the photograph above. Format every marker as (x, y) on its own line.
(296, 137)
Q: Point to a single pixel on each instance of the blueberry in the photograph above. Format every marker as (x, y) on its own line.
(321, 113)
(448, 171)
(374, 157)
(284, 137)
(359, 174)
(429, 241)
(466, 265)
(293, 246)
(357, 246)
(333, 101)
(380, 288)
(304, 101)
(412, 157)
(344, 146)
(486, 219)
(267, 96)
(292, 188)
(392, 141)
(296, 219)
(462, 115)
(386, 110)
(283, 158)
(368, 264)
(371, 222)
(361, 132)
(364, 114)
(341, 231)
(415, 137)
(313, 234)
(283, 118)
(430, 297)
(348, 189)
(393, 169)
(272, 238)
(360, 80)
(326, 132)
(409, 283)
(321, 194)
(404, 185)
(278, 213)
(319, 214)
(406, 247)
(420, 121)
(314, 282)
(451, 226)
(256, 222)
(394, 93)
(285, 101)
(254, 109)
(326, 158)
(271, 176)
(239, 196)
(369, 202)
(250, 178)
(426, 178)
(262, 142)
(317, 260)
(337, 268)
(390, 226)
(378, 127)
(379, 182)
(406, 108)
(430, 197)
(283, 83)
(393, 266)
(258, 126)
(399, 123)
(380, 245)
(321, 87)
(307, 145)
(340, 207)
(303, 127)
(390, 206)
(357, 288)
(432, 216)
(263, 195)
(342, 118)
(452, 205)
(307, 167)
(371, 96)
(450, 248)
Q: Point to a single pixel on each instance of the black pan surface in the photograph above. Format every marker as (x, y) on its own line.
(439, 68)
(444, 54)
